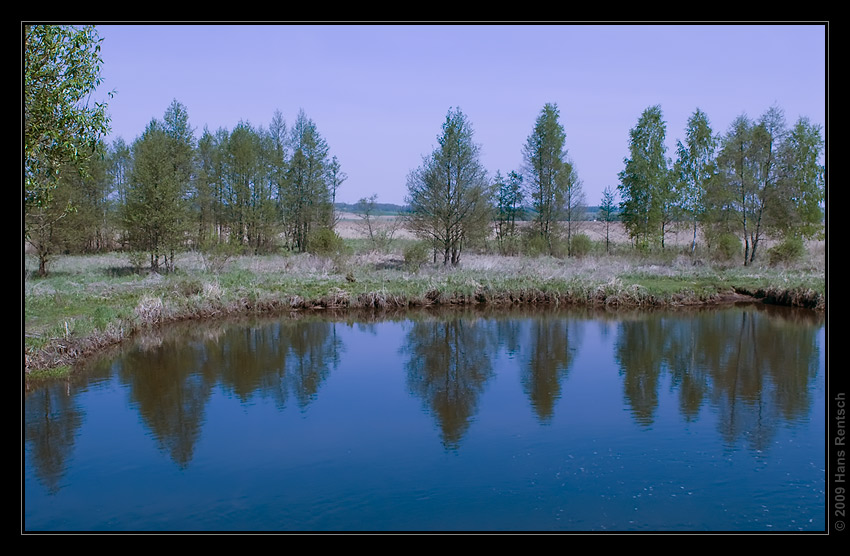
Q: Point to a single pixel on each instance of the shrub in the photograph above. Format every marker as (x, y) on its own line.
(416, 254)
(325, 242)
(791, 249)
(581, 245)
(728, 247)
(216, 255)
(188, 286)
(137, 260)
(534, 244)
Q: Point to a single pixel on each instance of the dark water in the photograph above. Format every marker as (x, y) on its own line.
(522, 421)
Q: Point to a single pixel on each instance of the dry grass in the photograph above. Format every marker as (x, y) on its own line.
(350, 227)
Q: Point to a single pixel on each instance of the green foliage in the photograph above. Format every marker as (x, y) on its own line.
(695, 163)
(750, 175)
(791, 249)
(554, 189)
(509, 210)
(728, 247)
(797, 208)
(449, 194)
(534, 244)
(62, 372)
(137, 260)
(416, 254)
(216, 255)
(63, 202)
(607, 210)
(694, 168)
(326, 243)
(61, 128)
(306, 192)
(156, 211)
(102, 316)
(581, 245)
(645, 181)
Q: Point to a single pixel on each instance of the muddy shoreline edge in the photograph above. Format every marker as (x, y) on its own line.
(63, 355)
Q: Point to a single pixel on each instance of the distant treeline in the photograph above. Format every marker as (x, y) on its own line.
(379, 209)
(391, 209)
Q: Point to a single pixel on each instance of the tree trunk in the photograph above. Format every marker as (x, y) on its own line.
(694, 240)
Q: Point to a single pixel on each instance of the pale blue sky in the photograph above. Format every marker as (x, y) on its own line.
(380, 93)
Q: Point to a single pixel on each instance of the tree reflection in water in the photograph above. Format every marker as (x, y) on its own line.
(753, 365)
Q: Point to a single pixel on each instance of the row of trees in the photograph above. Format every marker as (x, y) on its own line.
(245, 187)
(758, 178)
(251, 187)
(453, 203)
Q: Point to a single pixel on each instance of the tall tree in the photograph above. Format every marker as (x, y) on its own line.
(61, 129)
(449, 195)
(749, 168)
(306, 199)
(278, 159)
(549, 177)
(120, 162)
(245, 178)
(265, 214)
(181, 147)
(155, 214)
(725, 196)
(798, 211)
(695, 166)
(181, 159)
(768, 136)
(206, 185)
(645, 180)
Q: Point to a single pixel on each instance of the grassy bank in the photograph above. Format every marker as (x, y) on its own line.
(90, 302)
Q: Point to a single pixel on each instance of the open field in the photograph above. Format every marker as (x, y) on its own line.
(93, 301)
(350, 227)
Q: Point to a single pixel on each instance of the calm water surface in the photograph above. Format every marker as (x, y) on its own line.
(710, 420)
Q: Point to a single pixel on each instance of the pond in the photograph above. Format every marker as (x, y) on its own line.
(522, 420)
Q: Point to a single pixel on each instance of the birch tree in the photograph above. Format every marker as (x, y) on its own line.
(799, 210)
(306, 199)
(645, 180)
(449, 195)
(551, 181)
(695, 166)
